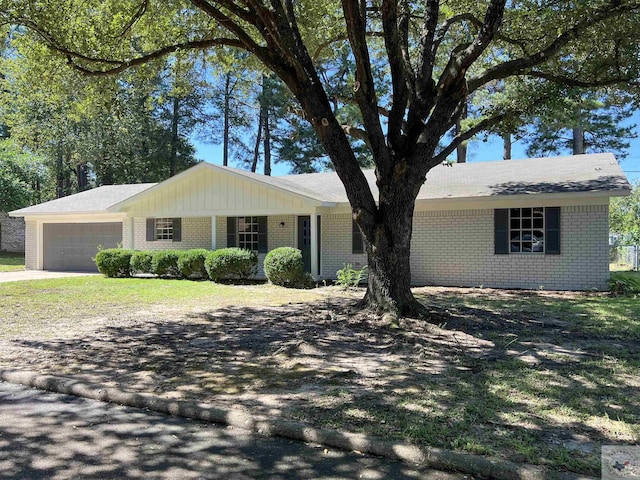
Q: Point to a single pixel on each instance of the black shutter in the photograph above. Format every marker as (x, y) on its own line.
(262, 235)
(231, 231)
(552, 230)
(177, 229)
(151, 229)
(357, 245)
(501, 231)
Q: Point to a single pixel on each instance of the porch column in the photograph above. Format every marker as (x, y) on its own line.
(132, 233)
(213, 233)
(314, 245)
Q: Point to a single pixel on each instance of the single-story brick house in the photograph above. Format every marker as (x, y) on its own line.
(535, 223)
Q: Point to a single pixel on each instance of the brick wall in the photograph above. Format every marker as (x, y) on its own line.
(336, 245)
(12, 233)
(196, 233)
(456, 248)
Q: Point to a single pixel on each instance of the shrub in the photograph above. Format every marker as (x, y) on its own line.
(348, 277)
(114, 262)
(231, 263)
(141, 262)
(165, 263)
(191, 263)
(284, 266)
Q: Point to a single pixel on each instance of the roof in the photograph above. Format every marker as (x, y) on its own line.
(578, 173)
(96, 200)
(572, 174)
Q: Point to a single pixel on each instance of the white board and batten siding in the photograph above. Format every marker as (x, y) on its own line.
(218, 193)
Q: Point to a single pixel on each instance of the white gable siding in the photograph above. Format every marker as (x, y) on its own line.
(214, 192)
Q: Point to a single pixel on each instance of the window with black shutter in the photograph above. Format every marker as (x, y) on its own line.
(527, 230)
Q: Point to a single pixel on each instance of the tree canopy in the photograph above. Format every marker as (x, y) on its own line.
(433, 56)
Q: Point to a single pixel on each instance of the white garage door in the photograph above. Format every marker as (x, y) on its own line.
(73, 246)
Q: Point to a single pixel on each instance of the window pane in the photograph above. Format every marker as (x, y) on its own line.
(538, 212)
(538, 223)
(515, 223)
(526, 212)
(515, 236)
(526, 247)
(527, 223)
(515, 247)
(514, 212)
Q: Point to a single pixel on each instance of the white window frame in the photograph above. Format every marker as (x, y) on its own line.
(247, 236)
(163, 228)
(527, 230)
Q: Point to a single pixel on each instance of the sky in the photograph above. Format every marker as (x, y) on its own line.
(479, 151)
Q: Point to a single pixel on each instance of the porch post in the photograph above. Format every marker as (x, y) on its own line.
(314, 245)
(132, 233)
(213, 233)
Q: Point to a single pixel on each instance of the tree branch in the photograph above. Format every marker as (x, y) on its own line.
(134, 19)
(519, 65)
(575, 82)
(466, 135)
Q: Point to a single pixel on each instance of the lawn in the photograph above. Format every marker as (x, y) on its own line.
(536, 377)
(11, 262)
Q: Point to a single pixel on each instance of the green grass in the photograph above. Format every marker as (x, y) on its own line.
(38, 305)
(11, 262)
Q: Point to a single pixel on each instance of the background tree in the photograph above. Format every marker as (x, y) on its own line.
(624, 217)
(21, 177)
(436, 56)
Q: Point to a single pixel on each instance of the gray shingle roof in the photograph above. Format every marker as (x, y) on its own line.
(89, 201)
(580, 173)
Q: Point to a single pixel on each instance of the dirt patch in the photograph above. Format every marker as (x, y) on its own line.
(470, 382)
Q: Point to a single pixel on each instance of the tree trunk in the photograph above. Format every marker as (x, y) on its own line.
(173, 157)
(267, 142)
(82, 176)
(506, 155)
(389, 266)
(578, 141)
(227, 111)
(256, 149)
(59, 174)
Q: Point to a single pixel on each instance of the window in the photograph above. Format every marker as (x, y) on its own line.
(357, 243)
(164, 229)
(249, 233)
(527, 230)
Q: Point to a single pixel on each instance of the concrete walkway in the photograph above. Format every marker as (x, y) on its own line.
(38, 275)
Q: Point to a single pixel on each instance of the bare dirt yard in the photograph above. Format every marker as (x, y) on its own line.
(535, 377)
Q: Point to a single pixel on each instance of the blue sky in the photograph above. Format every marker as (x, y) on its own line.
(479, 151)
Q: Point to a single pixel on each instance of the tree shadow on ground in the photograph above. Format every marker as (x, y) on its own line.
(509, 377)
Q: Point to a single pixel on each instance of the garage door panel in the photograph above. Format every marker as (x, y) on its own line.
(73, 246)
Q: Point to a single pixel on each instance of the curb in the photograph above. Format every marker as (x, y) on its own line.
(425, 457)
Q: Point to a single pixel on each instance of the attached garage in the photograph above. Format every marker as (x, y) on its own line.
(73, 246)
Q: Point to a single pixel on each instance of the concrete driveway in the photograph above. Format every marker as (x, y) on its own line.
(38, 275)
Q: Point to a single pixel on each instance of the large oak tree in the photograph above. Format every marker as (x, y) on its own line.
(437, 53)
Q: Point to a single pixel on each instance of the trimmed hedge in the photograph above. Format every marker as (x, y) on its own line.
(114, 262)
(284, 266)
(231, 263)
(191, 263)
(165, 263)
(142, 262)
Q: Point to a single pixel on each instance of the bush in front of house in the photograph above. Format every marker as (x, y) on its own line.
(284, 267)
(114, 262)
(231, 263)
(165, 263)
(142, 262)
(191, 263)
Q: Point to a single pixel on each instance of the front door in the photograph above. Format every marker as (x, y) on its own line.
(304, 241)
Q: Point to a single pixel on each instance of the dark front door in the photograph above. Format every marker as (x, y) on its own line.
(304, 241)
